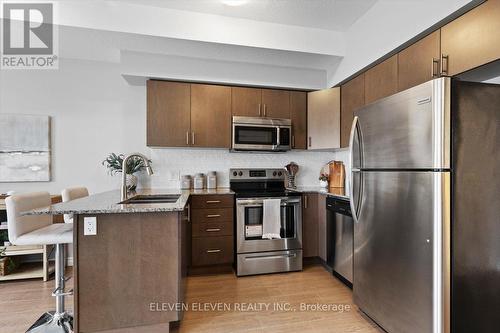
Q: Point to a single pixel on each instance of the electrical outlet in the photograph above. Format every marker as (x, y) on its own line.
(90, 226)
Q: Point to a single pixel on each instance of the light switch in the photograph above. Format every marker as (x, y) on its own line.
(90, 226)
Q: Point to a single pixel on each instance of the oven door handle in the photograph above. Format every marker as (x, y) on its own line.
(247, 202)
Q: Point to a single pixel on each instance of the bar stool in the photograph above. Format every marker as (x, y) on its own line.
(39, 230)
(73, 193)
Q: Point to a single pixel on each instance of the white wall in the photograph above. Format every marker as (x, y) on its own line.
(95, 111)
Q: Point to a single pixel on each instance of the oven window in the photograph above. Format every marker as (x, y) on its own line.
(253, 222)
(248, 135)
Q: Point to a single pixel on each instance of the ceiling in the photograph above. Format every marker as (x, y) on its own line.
(336, 15)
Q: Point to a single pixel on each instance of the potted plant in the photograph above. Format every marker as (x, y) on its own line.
(323, 180)
(114, 164)
(7, 264)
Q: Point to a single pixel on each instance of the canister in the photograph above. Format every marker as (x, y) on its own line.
(199, 181)
(212, 180)
(186, 182)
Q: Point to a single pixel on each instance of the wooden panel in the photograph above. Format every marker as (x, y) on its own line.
(212, 250)
(211, 229)
(276, 103)
(210, 116)
(416, 64)
(110, 281)
(298, 115)
(322, 247)
(352, 98)
(473, 39)
(212, 201)
(168, 113)
(212, 215)
(310, 225)
(381, 80)
(246, 102)
(323, 119)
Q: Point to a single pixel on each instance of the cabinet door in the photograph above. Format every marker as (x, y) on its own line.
(168, 114)
(276, 103)
(419, 62)
(352, 98)
(473, 39)
(210, 116)
(322, 237)
(323, 119)
(381, 80)
(298, 114)
(246, 102)
(310, 225)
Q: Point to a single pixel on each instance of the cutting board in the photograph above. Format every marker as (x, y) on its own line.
(337, 174)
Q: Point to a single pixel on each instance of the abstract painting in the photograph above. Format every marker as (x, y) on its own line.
(24, 148)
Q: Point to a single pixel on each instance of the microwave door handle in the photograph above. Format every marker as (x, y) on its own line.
(278, 143)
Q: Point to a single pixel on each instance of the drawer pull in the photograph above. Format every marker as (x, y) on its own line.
(214, 251)
(212, 229)
(213, 215)
(213, 201)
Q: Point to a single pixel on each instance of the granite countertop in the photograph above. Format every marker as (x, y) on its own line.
(108, 203)
(337, 193)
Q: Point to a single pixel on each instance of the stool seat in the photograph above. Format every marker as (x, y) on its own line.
(57, 233)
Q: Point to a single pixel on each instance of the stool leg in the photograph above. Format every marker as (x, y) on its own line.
(59, 278)
(59, 320)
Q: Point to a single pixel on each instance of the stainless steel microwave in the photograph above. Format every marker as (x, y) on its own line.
(261, 134)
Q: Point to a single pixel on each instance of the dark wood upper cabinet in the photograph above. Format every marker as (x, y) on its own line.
(298, 115)
(168, 114)
(246, 101)
(352, 97)
(419, 62)
(276, 103)
(210, 116)
(471, 40)
(381, 80)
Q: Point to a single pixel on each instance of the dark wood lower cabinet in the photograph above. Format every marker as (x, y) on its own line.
(310, 225)
(212, 243)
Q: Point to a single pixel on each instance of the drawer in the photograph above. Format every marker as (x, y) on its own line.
(212, 250)
(212, 215)
(212, 201)
(212, 229)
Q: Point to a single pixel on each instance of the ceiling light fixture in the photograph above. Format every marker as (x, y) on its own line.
(234, 2)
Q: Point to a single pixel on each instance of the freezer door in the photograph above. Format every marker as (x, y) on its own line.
(399, 259)
(409, 130)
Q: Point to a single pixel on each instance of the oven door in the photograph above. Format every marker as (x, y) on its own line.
(255, 137)
(249, 214)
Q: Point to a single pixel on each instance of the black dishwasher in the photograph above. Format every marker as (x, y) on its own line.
(340, 238)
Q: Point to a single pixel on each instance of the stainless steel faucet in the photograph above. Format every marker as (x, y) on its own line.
(124, 192)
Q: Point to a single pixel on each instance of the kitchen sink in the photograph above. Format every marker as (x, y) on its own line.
(152, 199)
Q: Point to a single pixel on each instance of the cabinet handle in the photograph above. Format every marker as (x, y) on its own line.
(444, 69)
(188, 212)
(192, 137)
(265, 110)
(293, 141)
(187, 138)
(310, 141)
(213, 215)
(212, 229)
(212, 201)
(305, 201)
(260, 110)
(435, 68)
(214, 251)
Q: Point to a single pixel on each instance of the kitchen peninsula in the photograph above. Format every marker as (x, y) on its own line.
(135, 256)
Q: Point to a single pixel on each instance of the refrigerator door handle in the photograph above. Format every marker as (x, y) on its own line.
(354, 194)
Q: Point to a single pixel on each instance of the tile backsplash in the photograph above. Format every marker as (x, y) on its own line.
(170, 164)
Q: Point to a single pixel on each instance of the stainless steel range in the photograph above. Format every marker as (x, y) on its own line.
(256, 255)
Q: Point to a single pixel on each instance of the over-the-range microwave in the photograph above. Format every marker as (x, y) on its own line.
(261, 134)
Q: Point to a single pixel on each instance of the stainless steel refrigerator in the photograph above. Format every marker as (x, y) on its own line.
(426, 205)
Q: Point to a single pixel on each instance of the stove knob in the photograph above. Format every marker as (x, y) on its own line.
(240, 173)
(235, 173)
(280, 173)
(274, 174)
